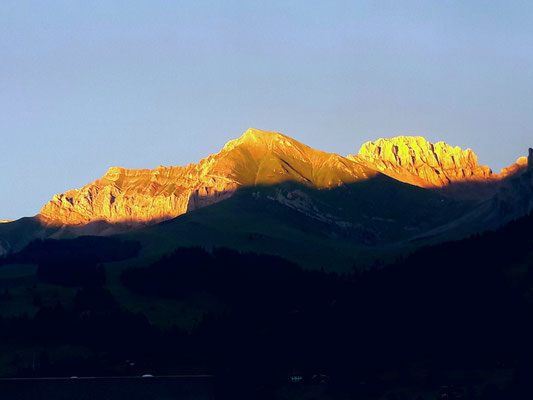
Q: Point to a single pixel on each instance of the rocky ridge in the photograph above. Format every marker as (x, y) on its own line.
(147, 195)
(261, 158)
(414, 160)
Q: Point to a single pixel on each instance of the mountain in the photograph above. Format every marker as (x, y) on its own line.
(457, 310)
(332, 229)
(261, 158)
(268, 193)
(256, 158)
(416, 161)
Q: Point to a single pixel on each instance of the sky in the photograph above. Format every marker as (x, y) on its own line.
(85, 85)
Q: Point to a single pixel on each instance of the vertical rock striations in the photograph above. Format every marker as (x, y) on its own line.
(262, 158)
(416, 161)
(256, 158)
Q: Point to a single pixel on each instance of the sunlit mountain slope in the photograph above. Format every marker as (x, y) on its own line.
(256, 158)
(267, 192)
(414, 160)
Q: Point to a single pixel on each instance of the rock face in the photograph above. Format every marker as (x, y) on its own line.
(416, 161)
(262, 158)
(256, 158)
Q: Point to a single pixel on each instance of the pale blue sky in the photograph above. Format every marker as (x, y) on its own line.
(85, 85)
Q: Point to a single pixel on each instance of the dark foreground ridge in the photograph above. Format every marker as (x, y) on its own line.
(452, 318)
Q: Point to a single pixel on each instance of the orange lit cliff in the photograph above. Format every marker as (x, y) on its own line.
(260, 158)
(256, 158)
(416, 161)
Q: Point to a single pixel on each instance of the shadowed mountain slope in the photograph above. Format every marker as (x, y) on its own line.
(17, 234)
(332, 229)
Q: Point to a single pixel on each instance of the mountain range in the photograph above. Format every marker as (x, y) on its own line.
(267, 192)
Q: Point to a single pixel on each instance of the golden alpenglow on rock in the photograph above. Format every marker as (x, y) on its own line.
(416, 161)
(256, 158)
(261, 158)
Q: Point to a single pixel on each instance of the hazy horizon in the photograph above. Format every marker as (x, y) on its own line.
(90, 86)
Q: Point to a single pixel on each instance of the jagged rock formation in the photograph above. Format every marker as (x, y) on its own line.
(416, 161)
(256, 158)
(263, 158)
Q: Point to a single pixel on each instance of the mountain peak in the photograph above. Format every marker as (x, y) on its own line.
(255, 137)
(256, 158)
(255, 134)
(415, 160)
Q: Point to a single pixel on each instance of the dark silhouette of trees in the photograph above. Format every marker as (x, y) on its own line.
(463, 305)
(88, 249)
(68, 273)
